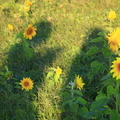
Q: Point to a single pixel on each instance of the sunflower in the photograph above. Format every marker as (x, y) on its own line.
(28, 3)
(10, 27)
(114, 40)
(58, 71)
(116, 68)
(111, 15)
(26, 83)
(30, 32)
(79, 82)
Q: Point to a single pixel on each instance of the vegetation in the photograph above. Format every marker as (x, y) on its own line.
(59, 60)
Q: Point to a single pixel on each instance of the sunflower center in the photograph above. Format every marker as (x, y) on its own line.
(29, 31)
(26, 84)
(118, 67)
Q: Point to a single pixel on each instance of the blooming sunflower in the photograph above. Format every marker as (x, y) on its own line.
(10, 27)
(28, 3)
(79, 82)
(114, 40)
(26, 83)
(116, 68)
(30, 32)
(111, 15)
(58, 71)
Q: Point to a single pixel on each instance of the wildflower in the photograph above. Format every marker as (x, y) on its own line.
(58, 71)
(30, 32)
(28, 3)
(10, 27)
(79, 82)
(26, 83)
(116, 68)
(111, 15)
(114, 40)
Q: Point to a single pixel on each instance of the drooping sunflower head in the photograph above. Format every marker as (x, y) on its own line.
(116, 68)
(58, 71)
(26, 83)
(30, 32)
(114, 40)
(111, 15)
(79, 82)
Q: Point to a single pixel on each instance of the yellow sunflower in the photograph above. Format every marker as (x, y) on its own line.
(114, 40)
(10, 27)
(28, 3)
(111, 15)
(116, 68)
(79, 82)
(30, 32)
(26, 83)
(58, 71)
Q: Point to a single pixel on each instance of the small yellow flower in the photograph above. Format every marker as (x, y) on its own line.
(58, 71)
(28, 3)
(111, 15)
(26, 83)
(30, 32)
(114, 40)
(116, 68)
(10, 27)
(79, 82)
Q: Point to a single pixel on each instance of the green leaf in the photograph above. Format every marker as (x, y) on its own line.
(56, 77)
(1, 73)
(6, 68)
(102, 33)
(92, 50)
(100, 96)
(81, 101)
(90, 114)
(96, 66)
(50, 74)
(111, 91)
(105, 77)
(106, 52)
(114, 115)
(99, 104)
(108, 81)
(29, 52)
(82, 111)
(98, 39)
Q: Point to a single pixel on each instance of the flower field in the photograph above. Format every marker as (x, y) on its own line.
(60, 60)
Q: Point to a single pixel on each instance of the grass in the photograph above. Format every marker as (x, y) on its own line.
(64, 29)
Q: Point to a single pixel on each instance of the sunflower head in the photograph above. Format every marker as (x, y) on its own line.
(26, 83)
(79, 82)
(10, 27)
(58, 71)
(116, 68)
(111, 15)
(114, 40)
(28, 3)
(30, 32)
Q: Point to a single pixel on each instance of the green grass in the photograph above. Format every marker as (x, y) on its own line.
(64, 29)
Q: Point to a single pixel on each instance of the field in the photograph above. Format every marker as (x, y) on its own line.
(66, 62)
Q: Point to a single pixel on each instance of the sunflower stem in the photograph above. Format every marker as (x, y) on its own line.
(117, 99)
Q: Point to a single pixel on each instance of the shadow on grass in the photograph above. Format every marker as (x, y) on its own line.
(82, 66)
(34, 67)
